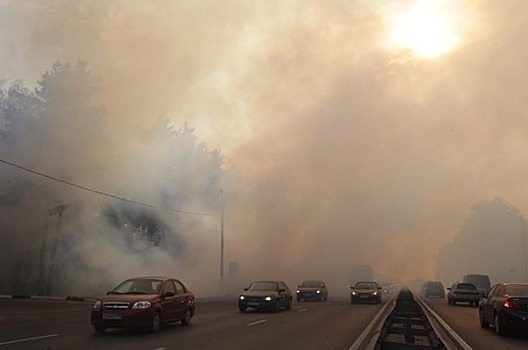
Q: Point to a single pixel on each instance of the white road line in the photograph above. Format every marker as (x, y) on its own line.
(28, 339)
(256, 322)
(302, 310)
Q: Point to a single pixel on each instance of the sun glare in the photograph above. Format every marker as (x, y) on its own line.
(428, 28)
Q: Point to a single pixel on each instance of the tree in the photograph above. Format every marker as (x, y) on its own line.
(489, 242)
(59, 130)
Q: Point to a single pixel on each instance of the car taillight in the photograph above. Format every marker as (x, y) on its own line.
(511, 304)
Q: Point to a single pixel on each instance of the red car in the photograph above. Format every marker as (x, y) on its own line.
(146, 302)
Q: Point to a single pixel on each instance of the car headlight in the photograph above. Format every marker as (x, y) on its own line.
(268, 299)
(374, 293)
(298, 291)
(318, 291)
(141, 305)
(353, 293)
(97, 305)
(242, 297)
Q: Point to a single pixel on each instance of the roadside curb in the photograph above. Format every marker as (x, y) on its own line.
(46, 297)
(76, 298)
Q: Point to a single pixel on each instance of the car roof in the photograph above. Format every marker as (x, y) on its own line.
(151, 278)
(274, 281)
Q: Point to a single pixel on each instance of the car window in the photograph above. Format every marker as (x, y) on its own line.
(500, 291)
(169, 287)
(179, 287)
(124, 287)
(517, 290)
(311, 284)
(264, 286)
(146, 286)
(139, 286)
(492, 291)
(466, 286)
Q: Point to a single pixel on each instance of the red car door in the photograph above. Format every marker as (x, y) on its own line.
(183, 299)
(170, 301)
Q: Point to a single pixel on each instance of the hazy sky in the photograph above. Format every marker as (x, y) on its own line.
(366, 129)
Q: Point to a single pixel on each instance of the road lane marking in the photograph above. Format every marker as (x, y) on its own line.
(303, 310)
(28, 339)
(256, 322)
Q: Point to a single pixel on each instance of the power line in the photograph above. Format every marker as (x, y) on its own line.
(100, 192)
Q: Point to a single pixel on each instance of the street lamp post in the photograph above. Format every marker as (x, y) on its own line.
(524, 250)
(222, 243)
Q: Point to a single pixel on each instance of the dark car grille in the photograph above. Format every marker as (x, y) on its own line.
(459, 294)
(254, 299)
(116, 305)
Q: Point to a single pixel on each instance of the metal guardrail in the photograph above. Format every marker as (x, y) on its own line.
(442, 329)
(406, 322)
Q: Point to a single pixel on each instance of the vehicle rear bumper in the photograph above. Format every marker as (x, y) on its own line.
(309, 295)
(516, 320)
(366, 299)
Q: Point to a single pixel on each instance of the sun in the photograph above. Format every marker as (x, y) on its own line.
(427, 28)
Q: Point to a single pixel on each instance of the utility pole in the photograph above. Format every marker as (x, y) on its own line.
(222, 243)
(57, 210)
(42, 257)
(524, 250)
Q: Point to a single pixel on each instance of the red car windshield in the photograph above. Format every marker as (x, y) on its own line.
(138, 286)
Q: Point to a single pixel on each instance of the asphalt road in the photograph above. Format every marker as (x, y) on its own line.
(464, 320)
(336, 324)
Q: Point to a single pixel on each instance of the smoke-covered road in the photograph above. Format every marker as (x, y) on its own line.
(30, 324)
(217, 325)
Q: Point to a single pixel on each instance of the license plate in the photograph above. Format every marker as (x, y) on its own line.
(252, 303)
(112, 317)
(364, 296)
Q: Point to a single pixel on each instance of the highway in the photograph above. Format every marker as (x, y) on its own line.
(464, 320)
(336, 324)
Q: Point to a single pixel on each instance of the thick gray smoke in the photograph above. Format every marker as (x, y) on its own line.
(494, 231)
(348, 147)
(77, 200)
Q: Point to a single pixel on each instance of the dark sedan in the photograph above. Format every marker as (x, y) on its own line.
(433, 289)
(463, 292)
(147, 302)
(365, 292)
(312, 290)
(266, 295)
(506, 307)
